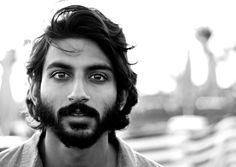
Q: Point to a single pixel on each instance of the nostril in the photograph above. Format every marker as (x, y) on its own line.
(71, 98)
(81, 99)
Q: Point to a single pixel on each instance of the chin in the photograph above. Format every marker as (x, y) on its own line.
(78, 137)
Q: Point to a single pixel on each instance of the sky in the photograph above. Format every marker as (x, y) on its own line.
(162, 31)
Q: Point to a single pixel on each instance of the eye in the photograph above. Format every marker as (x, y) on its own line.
(58, 75)
(98, 77)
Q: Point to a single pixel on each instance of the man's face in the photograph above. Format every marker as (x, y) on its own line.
(78, 92)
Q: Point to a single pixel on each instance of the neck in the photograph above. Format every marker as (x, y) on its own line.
(54, 153)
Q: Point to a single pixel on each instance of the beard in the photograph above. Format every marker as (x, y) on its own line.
(81, 134)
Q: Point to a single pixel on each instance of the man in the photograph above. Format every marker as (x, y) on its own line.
(82, 89)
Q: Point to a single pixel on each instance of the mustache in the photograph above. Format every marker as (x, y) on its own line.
(78, 108)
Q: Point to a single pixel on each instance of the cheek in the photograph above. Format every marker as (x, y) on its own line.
(52, 96)
(103, 100)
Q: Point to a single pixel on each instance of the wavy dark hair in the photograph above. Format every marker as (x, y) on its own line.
(81, 22)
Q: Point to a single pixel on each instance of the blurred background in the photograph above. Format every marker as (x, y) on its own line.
(186, 59)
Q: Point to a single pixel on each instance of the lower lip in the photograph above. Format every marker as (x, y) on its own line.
(78, 118)
(79, 122)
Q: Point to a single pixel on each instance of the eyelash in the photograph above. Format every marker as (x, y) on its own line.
(66, 76)
(104, 76)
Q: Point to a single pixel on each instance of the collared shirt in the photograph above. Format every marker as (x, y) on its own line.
(27, 155)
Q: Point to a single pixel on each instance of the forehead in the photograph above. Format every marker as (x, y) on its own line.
(76, 52)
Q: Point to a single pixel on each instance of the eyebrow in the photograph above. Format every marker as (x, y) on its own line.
(100, 67)
(60, 65)
(89, 68)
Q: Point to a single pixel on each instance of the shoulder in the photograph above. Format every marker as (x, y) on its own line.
(22, 155)
(144, 161)
(133, 158)
(11, 155)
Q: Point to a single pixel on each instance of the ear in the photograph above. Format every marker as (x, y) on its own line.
(123, 99)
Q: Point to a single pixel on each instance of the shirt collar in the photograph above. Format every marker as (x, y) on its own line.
(31, 156)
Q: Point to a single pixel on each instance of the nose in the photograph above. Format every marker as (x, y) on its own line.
(78, 93)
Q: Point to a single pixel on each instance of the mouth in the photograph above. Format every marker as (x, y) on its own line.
(78, 126)
(78, 122)
(78, 115)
